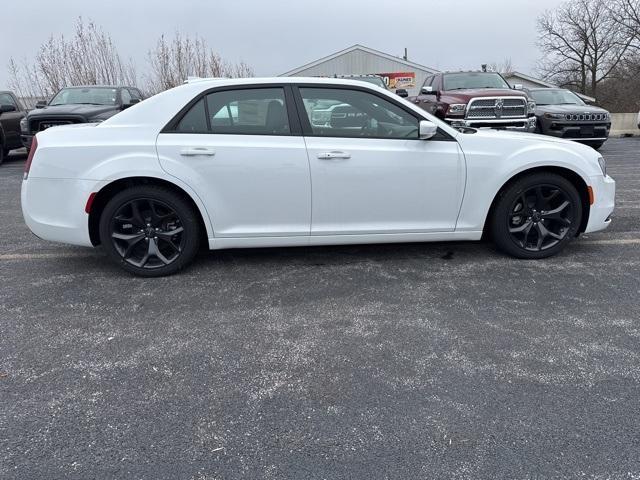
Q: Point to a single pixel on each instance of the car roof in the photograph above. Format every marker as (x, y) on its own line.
(96, 86)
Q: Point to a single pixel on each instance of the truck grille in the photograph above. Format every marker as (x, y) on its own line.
(40, 124)
(495, 108)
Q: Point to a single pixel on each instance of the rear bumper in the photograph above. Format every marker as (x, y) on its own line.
(604, 193)
(519, 125)
(53, 209)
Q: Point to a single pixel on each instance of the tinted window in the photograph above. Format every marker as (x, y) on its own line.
(195, 121)
(249, 112)
(126, 96)
(555, 97)
(6, 99)
(135, 94)
(353, 113)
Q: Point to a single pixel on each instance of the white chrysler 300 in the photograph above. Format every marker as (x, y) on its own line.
(295, 161)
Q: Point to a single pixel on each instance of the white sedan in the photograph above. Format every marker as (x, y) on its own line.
(241, 163)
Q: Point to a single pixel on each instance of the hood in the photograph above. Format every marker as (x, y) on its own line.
(468, 94)
(569, 109)
(87, 111)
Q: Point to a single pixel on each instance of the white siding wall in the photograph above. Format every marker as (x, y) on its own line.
(359, 63)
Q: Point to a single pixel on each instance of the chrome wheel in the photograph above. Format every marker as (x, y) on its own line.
(147, 233)
(540, 217)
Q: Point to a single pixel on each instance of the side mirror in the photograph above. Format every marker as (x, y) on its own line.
(41, 103)
(428, 91)
(427, 130)
(131, 103)
(518, 86)
(402, 92)
(7, 108)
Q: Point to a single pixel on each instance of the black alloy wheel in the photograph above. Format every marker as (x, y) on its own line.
(540, 217)
(150, 231)
(536, 216)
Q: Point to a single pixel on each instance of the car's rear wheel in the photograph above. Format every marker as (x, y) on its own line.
(150, 230)
(536, 216)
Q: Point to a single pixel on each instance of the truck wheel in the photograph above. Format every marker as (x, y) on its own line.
(536, 216)
(150, 231)
(595, 145)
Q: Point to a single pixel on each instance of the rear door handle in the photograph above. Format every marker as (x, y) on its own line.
(195, 151)
(333, 155)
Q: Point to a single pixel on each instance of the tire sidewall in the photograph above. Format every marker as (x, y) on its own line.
(183, 209)
(500, 230)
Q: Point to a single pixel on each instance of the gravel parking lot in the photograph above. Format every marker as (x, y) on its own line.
(395, 361)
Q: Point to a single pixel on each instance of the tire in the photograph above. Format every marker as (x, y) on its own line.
(536, 216)
(595, 145)
(150, 231)
(2, 154)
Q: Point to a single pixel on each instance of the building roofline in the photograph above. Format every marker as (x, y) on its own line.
(352, 49)
(549, 85)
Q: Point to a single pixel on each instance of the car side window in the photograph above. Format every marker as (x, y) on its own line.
(135, 94)
(260, 111)
(6, 99)
(125, 96)
(195, 120)
(336, 112)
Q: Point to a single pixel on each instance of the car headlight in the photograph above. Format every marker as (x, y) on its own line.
(554, 116)
(531, 107)
(603, 165)
(457, 108)
(24, 125)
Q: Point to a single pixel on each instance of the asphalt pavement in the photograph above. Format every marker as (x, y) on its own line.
(419, 361)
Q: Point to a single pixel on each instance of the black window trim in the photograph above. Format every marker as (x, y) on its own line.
(295, 129)
(307, 130)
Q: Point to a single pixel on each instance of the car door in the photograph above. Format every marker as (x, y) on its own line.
(11, 121)
(370, 172)
(242, 151)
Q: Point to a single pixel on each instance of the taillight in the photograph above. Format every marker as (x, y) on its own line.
(32, 152)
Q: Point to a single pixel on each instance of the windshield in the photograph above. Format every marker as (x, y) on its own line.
(463, 81)
(86, 96)
(555, 97)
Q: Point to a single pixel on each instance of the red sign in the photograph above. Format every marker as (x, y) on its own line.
(399, 79)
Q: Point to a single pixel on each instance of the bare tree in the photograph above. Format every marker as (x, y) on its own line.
(173, 61)
(506, 67)
(88, 58)
(582, 43)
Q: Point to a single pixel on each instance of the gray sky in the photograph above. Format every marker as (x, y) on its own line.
(274, 36)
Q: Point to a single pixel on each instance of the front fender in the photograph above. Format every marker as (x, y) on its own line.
(491, 164)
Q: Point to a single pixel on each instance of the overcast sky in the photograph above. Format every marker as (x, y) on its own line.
(274, 36)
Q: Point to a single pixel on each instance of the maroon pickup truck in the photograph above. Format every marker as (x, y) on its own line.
(478, 100)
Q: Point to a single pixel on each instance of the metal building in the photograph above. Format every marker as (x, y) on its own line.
(361, 60)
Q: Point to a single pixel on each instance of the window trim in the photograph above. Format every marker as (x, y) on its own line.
(307, 130)
(295, 129)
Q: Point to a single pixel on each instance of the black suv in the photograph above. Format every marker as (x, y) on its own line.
(11, 113)
(562, 113)
(89, 104)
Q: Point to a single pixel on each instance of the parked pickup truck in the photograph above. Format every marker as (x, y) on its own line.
(478, 100)
(11, 112)
(90, 104)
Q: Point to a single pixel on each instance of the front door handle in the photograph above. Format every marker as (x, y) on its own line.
(333, 155)
(195, 151)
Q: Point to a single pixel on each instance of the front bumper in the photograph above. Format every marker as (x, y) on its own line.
(582, 132)
(526, 125)
(604, 196)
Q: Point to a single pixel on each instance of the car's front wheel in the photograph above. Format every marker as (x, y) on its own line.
(536, 216)
(150, 230)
